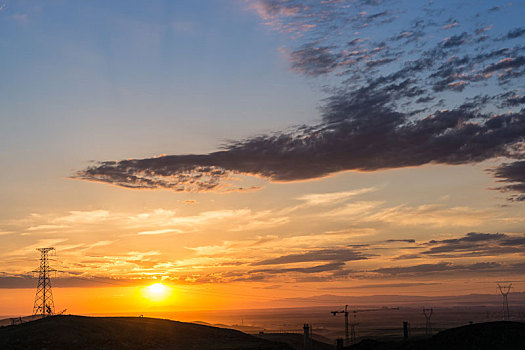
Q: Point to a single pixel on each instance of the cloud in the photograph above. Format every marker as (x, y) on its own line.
(471, 237)
(170, 220)
(473, 244)
(513, 174)
(46, 227)
(160, 232)
(211, 249)
(313, 269)
(455, 40)
(401, 240)
(435, 215)
(451, 25)
(386, 285)
(334, 197)
(340, 254)
(388, 103)
(429, 214)
(262, 224)
(77, 216)
(459, 136)
(512, 99)
(314, 61)
(515, 33)
(477, 244)
(21, 281)
(506, 63)
(449, 268)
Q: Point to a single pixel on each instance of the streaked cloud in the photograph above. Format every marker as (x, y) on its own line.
(339, 254)
(450, 268)
(160, 232)
(513, 176)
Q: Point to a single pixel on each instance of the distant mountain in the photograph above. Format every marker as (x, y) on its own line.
(108, 333)
(482, 336)
(517, 298)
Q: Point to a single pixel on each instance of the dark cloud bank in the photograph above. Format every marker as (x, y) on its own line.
(423, 95)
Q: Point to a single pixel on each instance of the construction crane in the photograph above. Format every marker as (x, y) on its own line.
(350, 336)
(345, 311)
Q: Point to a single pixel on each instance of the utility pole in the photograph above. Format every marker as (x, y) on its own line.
(44, 304)
(428, 325)
(505, 290)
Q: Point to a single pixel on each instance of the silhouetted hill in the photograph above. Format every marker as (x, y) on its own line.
(77, 332)
(7, 321)
(296, 341)
(481, 336)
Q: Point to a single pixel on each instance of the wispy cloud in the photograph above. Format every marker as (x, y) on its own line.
(334, 197)
(160, 232)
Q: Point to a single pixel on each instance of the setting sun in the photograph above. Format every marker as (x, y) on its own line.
(157, 292)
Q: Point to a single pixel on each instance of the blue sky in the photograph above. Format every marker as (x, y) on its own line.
(103, 80)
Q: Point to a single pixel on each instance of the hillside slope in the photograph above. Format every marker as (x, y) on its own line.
(296, 341)
(77, 332)
(481, 336)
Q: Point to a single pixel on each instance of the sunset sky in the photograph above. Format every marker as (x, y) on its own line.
(247, 151)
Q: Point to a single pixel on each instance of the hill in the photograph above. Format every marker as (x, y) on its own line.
(296, 341)
(481, 336)
(101, 333)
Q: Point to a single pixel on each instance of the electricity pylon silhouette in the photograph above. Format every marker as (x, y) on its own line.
(44, 304)
(504, 290)
(428, 325)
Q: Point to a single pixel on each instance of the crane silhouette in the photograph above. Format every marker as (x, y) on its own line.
(345, 311)
(350, 335)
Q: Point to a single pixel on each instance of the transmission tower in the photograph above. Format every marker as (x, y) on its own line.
(428, 325)
(44, 304)
(505, 290)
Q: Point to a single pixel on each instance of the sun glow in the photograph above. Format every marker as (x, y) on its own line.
(157, 292)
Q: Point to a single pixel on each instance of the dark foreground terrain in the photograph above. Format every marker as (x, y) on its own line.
(77, 332)
(481, 336)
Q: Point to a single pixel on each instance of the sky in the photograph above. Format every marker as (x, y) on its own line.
(246, 152)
